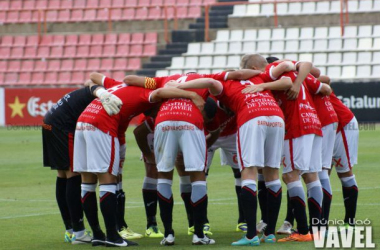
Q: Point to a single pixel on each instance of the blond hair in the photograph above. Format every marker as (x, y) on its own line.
(250, 61)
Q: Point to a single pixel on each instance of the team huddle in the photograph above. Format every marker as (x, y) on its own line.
(268, 114)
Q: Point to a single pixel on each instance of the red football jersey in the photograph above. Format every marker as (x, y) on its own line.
(325, 110)
(344, 114)
(180, 109)
(248, 106)
(228, 123)
(135, 101)
(301, 118)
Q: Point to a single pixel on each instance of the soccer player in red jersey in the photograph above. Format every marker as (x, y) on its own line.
(259, 137)
(302, 147)
(345, 155)
(96, 151)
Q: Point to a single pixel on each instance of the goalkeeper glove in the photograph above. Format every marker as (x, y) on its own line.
(111, 103)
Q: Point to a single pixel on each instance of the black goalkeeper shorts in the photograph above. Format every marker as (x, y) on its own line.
(58, 148)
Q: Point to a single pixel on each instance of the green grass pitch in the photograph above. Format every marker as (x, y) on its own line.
(29, 217)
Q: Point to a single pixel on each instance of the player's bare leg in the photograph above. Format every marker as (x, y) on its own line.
(350, 196)
(273, 201)
(315, 198)
(165, 199)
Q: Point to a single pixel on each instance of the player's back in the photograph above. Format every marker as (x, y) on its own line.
(64, 114)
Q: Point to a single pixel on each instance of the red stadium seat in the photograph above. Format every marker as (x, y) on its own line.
(23, 78)
(70, 51)
(3, 16)
(92, 3)
(89, 15)
(4, 5)
(131, 3)
(141, 14)
(25, 16)
(16, 5)
(79, 4)
(43, 52)
(78, 78)
(67, 65)
(122, 50)
(51, 78)
(118, 75)
(130, 14)
(154, 13)
(54, 65)
(56, 52)
(149, 50)
(136, 50)
(40, 66)
(37, 77)
(30, 52)
(7, 41)
(119, 3)
(96, 50)
(150, 38)
(194, 12)
(156, 2)
(116, 14)
(106, 64)
(32, 40)
(41, 4)
(83, 51)
(97, 39)
(134, 64)
(111, 39)
(169, 13)
(52, 16)
(137, 38)
(196, 2)
(47, 40)
(5, 52)
(27, 66)
(67, 4)
(102, 14)
(59, 40)
(2, 82)
(12, 16)
(144, 3)
(104, 3)
(205, 2)
(169, 2)
(93, 64)
(64, 15)
(84, 39)
(3, 66)
(14, 66)
(11, 78)
(120, 64)
(29, 5)
(54, 4)
(71, 40)
(109, 50)
(76, 15)
(64, 77)
(182, 2)
(80, 64)
(35, 15)
(17, 52)
(181, 12)
(124, 38)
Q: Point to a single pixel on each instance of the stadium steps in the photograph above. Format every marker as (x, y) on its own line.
(163, 59)
(181, 38)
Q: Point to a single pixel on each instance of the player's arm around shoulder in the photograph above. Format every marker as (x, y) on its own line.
(284, 83)
(215, 87)
(325, 89)
(242, 74)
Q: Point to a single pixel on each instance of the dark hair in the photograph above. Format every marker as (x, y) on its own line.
(210, 108)
(271, 59)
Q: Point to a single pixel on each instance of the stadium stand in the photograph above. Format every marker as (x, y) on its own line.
(355, 55)
(57, 56)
